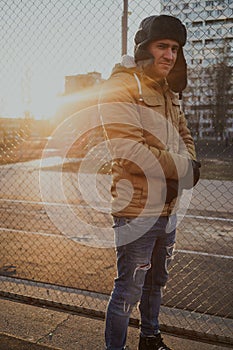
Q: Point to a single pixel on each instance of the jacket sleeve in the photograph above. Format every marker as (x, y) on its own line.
(120, 117)
(186, 146)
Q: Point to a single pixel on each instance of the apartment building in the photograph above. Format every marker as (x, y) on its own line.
(208, 99)
(78, 82)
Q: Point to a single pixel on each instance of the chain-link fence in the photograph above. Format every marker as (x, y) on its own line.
(56, 242)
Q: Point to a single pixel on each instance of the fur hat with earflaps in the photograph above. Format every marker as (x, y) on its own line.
(163, 27)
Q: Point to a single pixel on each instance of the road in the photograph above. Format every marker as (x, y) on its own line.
(41, 210)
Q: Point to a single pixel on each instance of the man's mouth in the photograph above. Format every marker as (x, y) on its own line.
(166, 64)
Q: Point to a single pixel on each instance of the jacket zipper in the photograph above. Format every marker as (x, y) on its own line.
(167, 125)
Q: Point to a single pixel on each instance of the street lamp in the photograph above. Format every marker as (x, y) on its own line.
(124, 27)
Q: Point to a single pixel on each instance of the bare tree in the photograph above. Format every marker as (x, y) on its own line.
(220, 84)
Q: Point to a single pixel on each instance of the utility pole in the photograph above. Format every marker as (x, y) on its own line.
(124, 27)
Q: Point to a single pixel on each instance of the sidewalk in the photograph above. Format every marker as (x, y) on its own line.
(26, 327)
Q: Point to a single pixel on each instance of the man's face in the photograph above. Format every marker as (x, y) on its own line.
(165, 55)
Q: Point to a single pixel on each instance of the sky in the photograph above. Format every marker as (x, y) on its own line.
(42, 41)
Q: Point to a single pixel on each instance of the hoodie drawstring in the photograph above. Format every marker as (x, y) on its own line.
(139, 87)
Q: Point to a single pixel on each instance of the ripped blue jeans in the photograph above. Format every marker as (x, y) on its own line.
(142, 264)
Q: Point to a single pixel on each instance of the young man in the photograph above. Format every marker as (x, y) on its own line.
(153, 159)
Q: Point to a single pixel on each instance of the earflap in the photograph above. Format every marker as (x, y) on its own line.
(141, 54)
(177, 78)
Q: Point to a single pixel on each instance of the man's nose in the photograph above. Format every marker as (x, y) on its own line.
(168, 54)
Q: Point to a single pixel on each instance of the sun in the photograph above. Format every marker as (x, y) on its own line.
(44, 104)
(44, 97)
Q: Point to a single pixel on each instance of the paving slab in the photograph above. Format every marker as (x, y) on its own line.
(8, 342)
(27, 327)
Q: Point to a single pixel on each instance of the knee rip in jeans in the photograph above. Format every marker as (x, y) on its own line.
(138, 278)
(170, 250)
(127, 307)
(142, 267)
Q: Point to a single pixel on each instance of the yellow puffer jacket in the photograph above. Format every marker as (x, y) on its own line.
(148, 139)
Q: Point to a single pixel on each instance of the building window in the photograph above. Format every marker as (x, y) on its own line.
(196, 61)
(206, 125)
(197, 24)
(167, 8)
(197, 43)
(217, 22)
(209, 41)
(219, 12)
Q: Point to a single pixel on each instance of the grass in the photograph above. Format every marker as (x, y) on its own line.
(216, 169)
